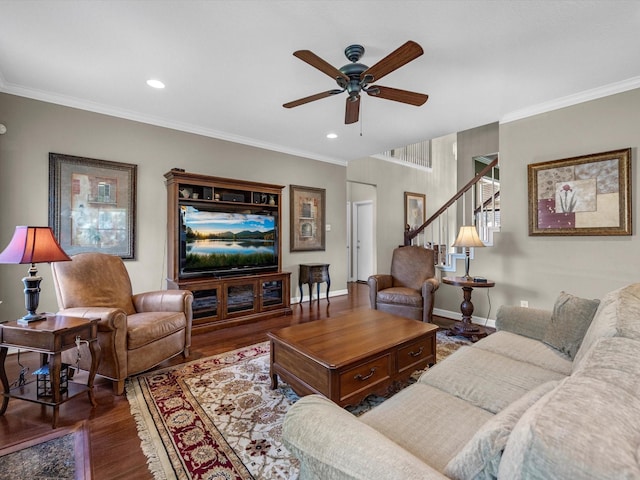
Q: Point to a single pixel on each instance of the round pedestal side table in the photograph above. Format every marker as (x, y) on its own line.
(465, 327)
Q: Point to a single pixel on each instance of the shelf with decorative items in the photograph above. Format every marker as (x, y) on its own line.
(224, 244)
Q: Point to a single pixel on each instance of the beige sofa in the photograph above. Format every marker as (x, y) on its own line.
(538, 399)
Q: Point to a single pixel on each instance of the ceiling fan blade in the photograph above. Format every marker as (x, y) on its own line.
(311, 98)
(352, 112)
(316, 62)
(402, 55)
(397, 95)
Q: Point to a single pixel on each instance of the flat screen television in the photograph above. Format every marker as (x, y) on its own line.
(220, 240)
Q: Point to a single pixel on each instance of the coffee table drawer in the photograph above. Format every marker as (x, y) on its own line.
(421, 351)
(365, 375)
(301, 368)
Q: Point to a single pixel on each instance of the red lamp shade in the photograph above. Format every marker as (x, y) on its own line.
(33, 245)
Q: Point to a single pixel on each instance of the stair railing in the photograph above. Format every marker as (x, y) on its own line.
(409, 234)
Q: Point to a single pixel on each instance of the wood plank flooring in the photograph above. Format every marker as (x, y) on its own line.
(115, 445)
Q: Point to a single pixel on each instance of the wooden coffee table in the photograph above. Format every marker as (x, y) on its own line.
(349, 357)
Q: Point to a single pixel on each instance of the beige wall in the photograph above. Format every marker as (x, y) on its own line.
(470, 143)
(360, 193)
(536, 269)
(36, 128)
(392, 180)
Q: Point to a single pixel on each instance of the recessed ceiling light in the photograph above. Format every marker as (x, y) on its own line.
(155, 83)
(332, 135)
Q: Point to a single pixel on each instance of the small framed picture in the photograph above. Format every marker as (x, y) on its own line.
(414, 213)
(307, 226)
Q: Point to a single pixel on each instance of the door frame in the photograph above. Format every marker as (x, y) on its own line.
(354, 250)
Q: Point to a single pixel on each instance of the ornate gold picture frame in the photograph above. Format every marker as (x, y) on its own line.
(586, 195)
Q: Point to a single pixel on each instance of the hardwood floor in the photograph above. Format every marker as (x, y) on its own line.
(115, 445)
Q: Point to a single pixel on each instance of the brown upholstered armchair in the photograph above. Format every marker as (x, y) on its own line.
(409, 290)
(135, 332)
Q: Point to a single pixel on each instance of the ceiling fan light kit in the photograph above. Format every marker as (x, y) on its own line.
(355, 78)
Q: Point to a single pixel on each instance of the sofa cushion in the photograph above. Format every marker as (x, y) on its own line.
(529, 322)
(486, 379)
(145, 328)
(617, 315)
(586, 428)
(615, 360)
(526, 350)
(331, 443)
(629, 312)
(422, 420)
(480, 457)
(400, 295)
(569, 322)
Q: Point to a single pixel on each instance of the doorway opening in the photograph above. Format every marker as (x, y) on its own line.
(361, 228)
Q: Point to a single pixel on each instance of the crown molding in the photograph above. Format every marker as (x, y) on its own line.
(574, 99)
(94, 107)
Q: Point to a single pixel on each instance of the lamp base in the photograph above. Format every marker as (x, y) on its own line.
(30, 317)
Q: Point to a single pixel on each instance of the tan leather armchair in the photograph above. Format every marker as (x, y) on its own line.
(135, 332)
(409, 290)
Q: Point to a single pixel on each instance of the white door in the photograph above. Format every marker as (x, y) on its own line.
(363, 234)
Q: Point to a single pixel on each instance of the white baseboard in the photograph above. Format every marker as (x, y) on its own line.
(323, 296)
(485, 322)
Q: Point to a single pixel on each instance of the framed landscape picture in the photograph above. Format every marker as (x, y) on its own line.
(92, 205)
(307, 211)
(586, 195)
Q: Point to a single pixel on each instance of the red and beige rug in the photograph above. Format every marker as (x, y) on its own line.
(218, 419)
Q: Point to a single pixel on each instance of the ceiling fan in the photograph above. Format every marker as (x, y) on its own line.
(355, 78)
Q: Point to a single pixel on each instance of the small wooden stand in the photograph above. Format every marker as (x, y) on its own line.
(50, 337)
(465, 327)
(311, 273)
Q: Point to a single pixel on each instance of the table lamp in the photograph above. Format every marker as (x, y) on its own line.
(32, 245)
(467, 238)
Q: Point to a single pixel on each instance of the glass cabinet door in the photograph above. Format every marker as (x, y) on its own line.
(241, 297)
(272, 294)
(206, 303)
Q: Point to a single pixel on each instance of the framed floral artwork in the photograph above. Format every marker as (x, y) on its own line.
(586, 195)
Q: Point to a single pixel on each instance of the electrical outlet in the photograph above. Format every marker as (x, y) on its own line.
(524, 303)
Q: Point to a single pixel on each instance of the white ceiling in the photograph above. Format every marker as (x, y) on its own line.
(228, 65)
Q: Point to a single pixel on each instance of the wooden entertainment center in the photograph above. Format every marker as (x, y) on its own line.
(234, 295)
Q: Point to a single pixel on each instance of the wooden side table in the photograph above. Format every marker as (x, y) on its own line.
(311, 273)
(465, 328)
(50, 337)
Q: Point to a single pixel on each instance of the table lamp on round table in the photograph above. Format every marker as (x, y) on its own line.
(32, 245)
(467, 238)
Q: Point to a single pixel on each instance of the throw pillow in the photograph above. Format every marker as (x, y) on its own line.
(480, 457)
(570, 320)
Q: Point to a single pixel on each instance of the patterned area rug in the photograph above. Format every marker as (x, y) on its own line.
(217, 418)
(62, 454)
